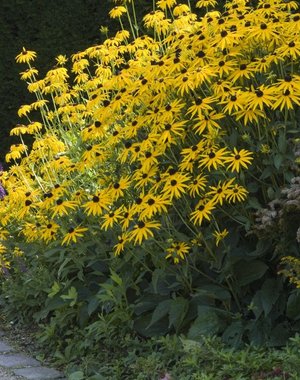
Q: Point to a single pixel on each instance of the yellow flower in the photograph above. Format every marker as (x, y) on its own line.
(25, 56)
(239, 159)
(176, 185)
(177, 251)
(48, 231)
(197, 185)
(203, 211)
(164, 4)
(153, 204)
(29, 73)
(220, 235)
(143, 230)
(206, 3)
(97, 204)
(62, 207)
(117, 12)
(24, 110)
(18, 130)
(73, 234)
(122, 240)
(220, 191)
(236, 194)
(61, 59)
(110, 218)
(285, 99)
(214, 158)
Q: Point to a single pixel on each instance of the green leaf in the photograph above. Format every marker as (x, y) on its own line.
(141, 325)
(148, 302)
(161, 310)
(266, 297)
(282, 142)
(78, 375)
(92, 305)
(270, 294)
(293, 306)
(116, 278)
(278, 159)
(54, 289)
(279, 336)
(253, 202)
(83, 315)
(178, 310)
(249, 271)
(233, 334)
(207, 323)
(214, 292)
(72, 296)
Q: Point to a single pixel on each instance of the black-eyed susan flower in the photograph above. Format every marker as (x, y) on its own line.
(30, 73)
(202, 211)
(219, 192)
(236, 193)
(260, 97)
(206, 3)
(120, 246)
(177, 251)
(220, 235)
(197, 185)
(176, 185)
(62, 207)
(154, 204)
(143, 230)
(238, 159)
(117, 12)
(213, 158)
(118, 187)
(49, 231)
(73, 234)
(110, 218)
(99, 202)
(126, 217)
(286, 99)
(25, 56)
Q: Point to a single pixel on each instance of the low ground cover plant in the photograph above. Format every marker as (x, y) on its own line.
(135, 205)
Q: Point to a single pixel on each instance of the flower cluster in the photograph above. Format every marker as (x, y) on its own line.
(153, 136)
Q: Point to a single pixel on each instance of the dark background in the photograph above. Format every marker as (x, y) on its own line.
(50, 28)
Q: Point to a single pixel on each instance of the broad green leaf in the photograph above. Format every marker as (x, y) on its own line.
(161, 310)
(293, 306)
(215, 292)
(92, 305)
(279, 336)
(249, 271)
(266, 297)
(233, 334)
(253, 202)
(141, 325)
(148, 302)
(278, 159)
(207, 323)
(270, 293)
(178, 310)
(78, 375)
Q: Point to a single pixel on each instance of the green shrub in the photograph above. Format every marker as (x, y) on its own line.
(140, 192)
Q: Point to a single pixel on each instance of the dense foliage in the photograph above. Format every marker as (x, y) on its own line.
(138, 209)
